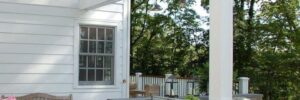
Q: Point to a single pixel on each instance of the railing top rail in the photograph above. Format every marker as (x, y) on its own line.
(157, 76)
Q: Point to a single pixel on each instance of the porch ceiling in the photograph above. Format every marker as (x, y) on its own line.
(92, 4)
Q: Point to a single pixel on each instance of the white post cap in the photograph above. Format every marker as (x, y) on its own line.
(138, 73)
(243, 78)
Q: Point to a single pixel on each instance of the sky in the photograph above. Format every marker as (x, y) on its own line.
(197, 7)
(200, 10)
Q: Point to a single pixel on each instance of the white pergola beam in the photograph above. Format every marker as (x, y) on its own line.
(92, 4)
(221, 49)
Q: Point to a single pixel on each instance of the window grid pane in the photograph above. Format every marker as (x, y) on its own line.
(101, 33)
(82, 61)
(92, 33)
(84, 32)
(109, 34)
(96, 56)
(84, 46)
(109, 47)
(100, 47)
(92, 46)
(82, 75)
(99, 75)
(91, 75)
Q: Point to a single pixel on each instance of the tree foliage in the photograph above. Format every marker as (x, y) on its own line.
(168, 42)
(266, 43)
(266, 46)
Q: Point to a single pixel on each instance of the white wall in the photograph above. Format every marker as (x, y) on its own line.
(37, 46)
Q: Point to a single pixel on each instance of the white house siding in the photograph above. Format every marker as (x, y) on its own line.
(37, 46)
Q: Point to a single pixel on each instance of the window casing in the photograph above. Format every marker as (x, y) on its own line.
(96, 55)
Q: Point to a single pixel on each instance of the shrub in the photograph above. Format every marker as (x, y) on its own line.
(191, 97)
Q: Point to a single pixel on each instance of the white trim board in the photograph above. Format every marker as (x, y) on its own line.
(117, 63)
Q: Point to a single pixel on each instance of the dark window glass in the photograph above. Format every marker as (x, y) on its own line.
(100, 47)
(92, 46)
(100, 34)
(84, 32)
(91, 75)
(82, 61)
(99, 63)
(91, 60)
(109, 34)
(107, 74)
(82, 75)
(92, 35)
(99, 75)
(108, 48)
(83, 46)
(108, 62)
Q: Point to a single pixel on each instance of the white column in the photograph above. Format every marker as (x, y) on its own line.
(221, 49)
(243, 85)
(138, 80)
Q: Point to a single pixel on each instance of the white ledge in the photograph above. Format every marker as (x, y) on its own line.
(92, 4)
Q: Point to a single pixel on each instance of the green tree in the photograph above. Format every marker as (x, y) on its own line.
(169, 42)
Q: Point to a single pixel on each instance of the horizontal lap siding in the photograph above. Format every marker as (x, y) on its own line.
(38, 10)
(57, 3)
(35, 39)
(36, 49)
(36, 19)
(35, 29)
(21, 68)
(36, 59)
(58, 89)
(36, 46)
(36, 78)
(34, 88)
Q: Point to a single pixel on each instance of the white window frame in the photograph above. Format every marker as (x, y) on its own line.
(116, 49)
(96, 54)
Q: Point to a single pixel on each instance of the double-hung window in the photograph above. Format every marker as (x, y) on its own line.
(96, 56)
